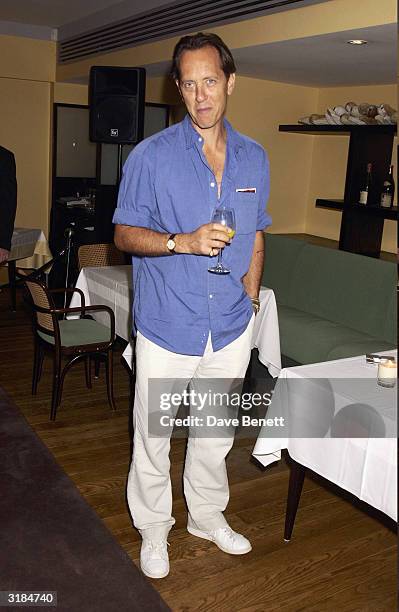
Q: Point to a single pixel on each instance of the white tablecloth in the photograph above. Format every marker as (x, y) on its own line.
(266, 335)
(366, 467)
(112, 286)
(30, 248)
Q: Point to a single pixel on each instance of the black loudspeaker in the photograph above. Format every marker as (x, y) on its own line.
(116, 99)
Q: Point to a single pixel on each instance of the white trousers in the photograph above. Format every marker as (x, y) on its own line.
(206, 489)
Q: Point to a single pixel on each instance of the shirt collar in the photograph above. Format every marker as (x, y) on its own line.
(234, 141)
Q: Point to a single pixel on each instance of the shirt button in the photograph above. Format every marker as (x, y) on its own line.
(200, 139)
(212, 184)
(211, 295)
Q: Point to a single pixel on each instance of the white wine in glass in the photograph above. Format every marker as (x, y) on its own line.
(225, 216)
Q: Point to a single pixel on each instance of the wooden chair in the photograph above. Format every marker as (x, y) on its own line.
(72, 339)
(96, 255)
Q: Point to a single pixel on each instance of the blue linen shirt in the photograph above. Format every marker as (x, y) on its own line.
(168, 186)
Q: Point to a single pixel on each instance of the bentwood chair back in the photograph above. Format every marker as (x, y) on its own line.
(96, 255)
(41, 299)
(72, 339)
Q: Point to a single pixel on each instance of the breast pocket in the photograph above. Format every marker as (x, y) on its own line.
(246, 212)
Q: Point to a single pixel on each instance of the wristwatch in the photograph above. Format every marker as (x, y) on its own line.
(171, 244)
(255, 305)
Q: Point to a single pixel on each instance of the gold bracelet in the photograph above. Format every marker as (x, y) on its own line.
(255, 305)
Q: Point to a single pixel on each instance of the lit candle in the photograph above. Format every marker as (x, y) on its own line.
(387, 373)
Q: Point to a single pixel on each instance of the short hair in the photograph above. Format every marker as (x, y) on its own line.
(198, 41)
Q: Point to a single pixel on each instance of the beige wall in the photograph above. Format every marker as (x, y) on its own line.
(256, 108)
(25, 130)
(330, 158)
(161, 90)
(27, 68)
(69, 93)
(27, 59)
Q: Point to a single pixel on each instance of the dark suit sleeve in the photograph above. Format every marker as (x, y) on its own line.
(8, 197)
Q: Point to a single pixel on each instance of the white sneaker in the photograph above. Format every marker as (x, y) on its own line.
(154, 558)
(225, 538)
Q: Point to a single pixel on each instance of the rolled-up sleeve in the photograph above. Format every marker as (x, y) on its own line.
(136, 198)
(264, 219)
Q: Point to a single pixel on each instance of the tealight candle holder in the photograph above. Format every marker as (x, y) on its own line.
(387, 373)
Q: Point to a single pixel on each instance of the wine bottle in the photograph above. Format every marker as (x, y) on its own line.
(388, 190)
(365, 188)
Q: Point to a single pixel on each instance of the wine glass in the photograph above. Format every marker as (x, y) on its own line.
(225, 216)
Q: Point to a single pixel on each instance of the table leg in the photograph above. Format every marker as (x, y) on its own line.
(297, 476)
(11, 281)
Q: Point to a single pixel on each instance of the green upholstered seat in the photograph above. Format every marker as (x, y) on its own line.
(75, 340)
(76, 332)
(331, 304)
(307, 338)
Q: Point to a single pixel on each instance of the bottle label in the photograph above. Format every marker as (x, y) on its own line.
(386, 200)
(363, 197)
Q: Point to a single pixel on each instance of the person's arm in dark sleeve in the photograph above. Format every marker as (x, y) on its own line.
(8, 202)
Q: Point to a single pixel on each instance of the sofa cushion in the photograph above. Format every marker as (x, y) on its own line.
(307, 338)
(281, 256)
(352, 290)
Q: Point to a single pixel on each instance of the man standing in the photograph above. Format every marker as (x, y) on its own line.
(8, 201)
(191, 324)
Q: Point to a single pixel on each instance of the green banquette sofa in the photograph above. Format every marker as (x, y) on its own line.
(331, 304)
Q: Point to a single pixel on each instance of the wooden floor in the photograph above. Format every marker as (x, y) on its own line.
(339, 558)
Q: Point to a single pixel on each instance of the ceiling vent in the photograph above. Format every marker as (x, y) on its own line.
(164, 22)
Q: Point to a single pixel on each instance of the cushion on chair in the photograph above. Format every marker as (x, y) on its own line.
(77, 332)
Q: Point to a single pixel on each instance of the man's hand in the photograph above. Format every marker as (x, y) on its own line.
(207, 240)
(4, 255)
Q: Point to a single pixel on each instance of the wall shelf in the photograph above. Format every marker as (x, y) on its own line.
(361, 226)
(298, 128)
(374, 211)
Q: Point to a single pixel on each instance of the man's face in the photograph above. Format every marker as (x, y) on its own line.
(204, 86)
